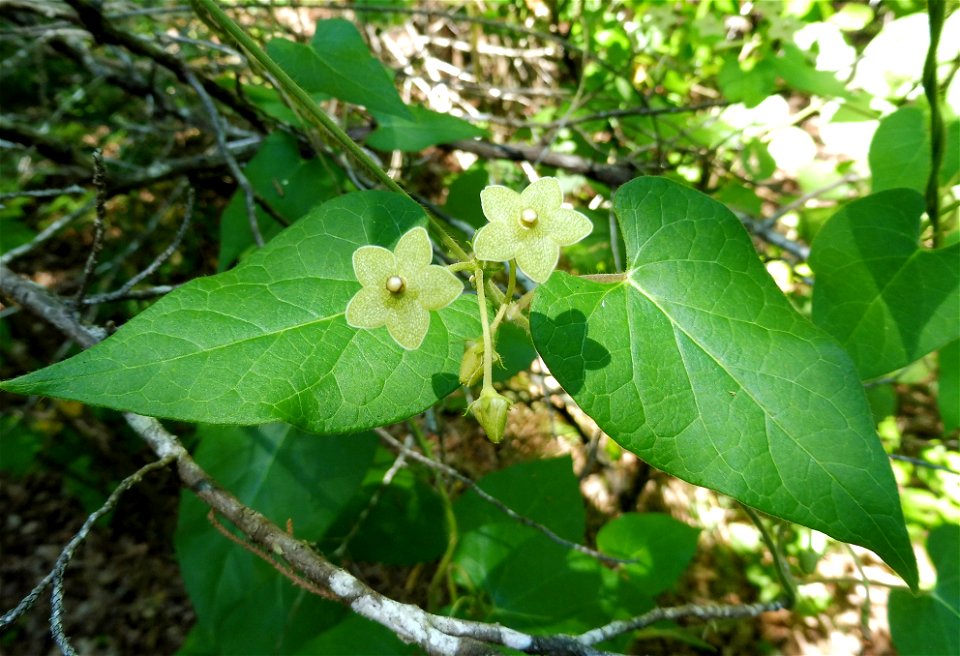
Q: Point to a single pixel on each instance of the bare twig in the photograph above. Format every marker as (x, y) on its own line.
(702, 612)
(397, 465)
(295, 578)
(124, 291)
(56, 574)
(497, 503)
(99, 226)
(249, 196)
(46, 233)
(43, 193)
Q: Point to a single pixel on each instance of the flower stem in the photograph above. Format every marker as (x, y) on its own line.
(507, 299)
(485, 324)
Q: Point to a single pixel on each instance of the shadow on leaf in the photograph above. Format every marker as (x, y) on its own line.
(570, 349)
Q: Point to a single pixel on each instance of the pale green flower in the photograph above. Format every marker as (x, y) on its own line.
(529, 227)
(400, 288)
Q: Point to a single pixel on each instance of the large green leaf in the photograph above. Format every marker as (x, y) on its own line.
(268, 341)
(338, 63)
(697, 363)
(885, 299)
(929, 623)
(243, 605)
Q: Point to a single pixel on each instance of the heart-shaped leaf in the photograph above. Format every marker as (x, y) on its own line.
(338, 62)
(697, 363)
(268, 341)
(888, 301)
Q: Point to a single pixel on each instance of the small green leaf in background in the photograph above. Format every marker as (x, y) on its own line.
(528, 581)
(19, 446)
(948, 392)
(900, 151)
(463, 193)
(800, 73)
(290, 184)
(268, 341)
(885, 299)
(697, 363)
(751, 85)
(243, 605)
(425, 128)
(406, 526)
(338, 63)
(662, 545)
(928, 624)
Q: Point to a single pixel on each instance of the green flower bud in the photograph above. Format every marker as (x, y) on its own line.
(491, 411)
(471, 367)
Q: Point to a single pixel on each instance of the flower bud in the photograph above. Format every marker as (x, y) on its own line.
(491, 411)
(471, 367)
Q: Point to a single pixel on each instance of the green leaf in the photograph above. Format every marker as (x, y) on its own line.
(530, 581)
(800, 73)
(662, 545)
(900, 151)
(356, 635)
(886, 300)
(425, 128)
(243, 605)
(750, 85)
(406, 526)
(268, 340)
(929, 623)
(290, 184)
(338, 62)
(948, 393)
(698, 364)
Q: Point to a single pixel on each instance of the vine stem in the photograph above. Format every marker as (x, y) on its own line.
(935, 10)
(782, 568)
(314, 112)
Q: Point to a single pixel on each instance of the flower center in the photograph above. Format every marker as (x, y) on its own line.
(395, 284)
(528, 217)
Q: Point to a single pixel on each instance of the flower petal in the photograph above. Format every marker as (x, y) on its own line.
(566, 227)
(436, 287)
(543, 196)
(408, 325)
(500, 204)
(373, 265)
(538, 259)
(413, 251)
(496, 242)
(367, 308)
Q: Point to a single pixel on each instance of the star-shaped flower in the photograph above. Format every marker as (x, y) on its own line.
(400, 288)
(529, 226)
